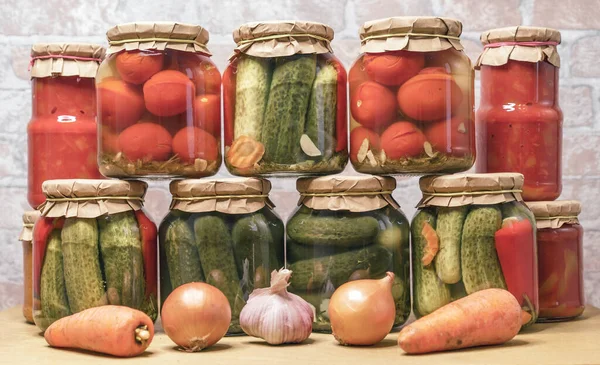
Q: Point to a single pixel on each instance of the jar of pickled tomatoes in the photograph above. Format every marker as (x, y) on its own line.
(411, 98)
(62, 131)
(519, 122)
(284, 101)
(560, 259)
(159, 103)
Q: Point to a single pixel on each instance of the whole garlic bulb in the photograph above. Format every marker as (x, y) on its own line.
(275, 315)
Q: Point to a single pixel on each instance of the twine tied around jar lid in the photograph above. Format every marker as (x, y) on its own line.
(29, 219)
(282, 38)
(470, 189)
(414, 34)
(88, 198)
(65, 59)
(158, 36)
(352, 193)
(554, 214)
(520, 43)
(229, 196)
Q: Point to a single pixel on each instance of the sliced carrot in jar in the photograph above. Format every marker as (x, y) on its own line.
(433, 243)
(245, 152)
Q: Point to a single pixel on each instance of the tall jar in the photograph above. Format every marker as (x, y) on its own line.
(93, 246)
(560, 256)
(26, 238)
(222, 232)
(473, 232)
(347, 228)
(62, 131)
(284, 99)
(159, 103)
(519, 122)
(411, 98)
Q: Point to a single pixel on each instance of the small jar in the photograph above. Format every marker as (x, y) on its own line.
(411, 98)
(347, 228)
(62, 131)
(26, 238)
(159, 103)
(519, 121)
(560, 256)
(473, 232)
(93, 246)
(224, 233)
(284, 101)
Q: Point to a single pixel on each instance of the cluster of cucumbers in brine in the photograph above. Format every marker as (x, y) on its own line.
(454, 252)
(326, 249)
(236, 253)
(285, 116)
(93, 262)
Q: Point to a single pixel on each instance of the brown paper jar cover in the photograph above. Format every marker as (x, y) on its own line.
(48, 59)
(554, 214)
(29, 219)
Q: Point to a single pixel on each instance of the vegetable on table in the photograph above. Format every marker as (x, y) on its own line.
(114, 330)
(487, 317)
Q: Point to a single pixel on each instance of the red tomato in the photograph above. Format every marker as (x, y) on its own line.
(207, 113)
(393, 68)
(357, 75)
(453, 137)
(373, 105)
(357, 137)
(146, 141)
(191, 143)
(138, 66)
(169, 93)
(402, 139)
(201, 70)
(120, 104)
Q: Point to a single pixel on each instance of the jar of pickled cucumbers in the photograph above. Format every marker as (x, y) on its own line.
(347, 228)
(159, 103)
(224, 233)
(560, 257)
(93, 246)
(284, 101)
(26, 238)
(473, 232)
(411, 98)
(62, 132)
(519, 121)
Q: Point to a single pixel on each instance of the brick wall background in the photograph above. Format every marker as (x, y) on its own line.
(28, 21)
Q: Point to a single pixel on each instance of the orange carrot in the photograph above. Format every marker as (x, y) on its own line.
(486, 317)
(433, 243)
(110, 329)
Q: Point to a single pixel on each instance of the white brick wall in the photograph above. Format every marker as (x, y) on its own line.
(30, 21)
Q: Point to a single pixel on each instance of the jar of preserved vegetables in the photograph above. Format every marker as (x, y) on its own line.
(93, 246)
(411, 98)
(519, 122)
(26, 238)
(62, 131)
(159, 103)
(560, 256)
(347, 228)
(473, 232)
(224, 233)
(284, 99)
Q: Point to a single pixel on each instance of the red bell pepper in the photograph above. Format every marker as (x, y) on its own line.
(229, 102)
(517, 254)
(149, 252)
(41, 231)
(341, 125)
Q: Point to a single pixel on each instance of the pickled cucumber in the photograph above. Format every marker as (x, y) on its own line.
(183, 262)
(310, 229)
(253, 78)
(320, 123)
(121, 249)
(480, 265)
(81, 263)
(449, 230)
(53, 294)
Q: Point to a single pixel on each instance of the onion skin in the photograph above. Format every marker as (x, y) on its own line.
(362, 312)
(196, 316)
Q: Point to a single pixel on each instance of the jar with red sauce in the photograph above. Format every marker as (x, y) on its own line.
(519, 121)
(560, 258)
(411, 98)
(62, 140)
(159, 103)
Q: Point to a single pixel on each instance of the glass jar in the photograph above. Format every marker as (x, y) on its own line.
(93, 246)
(560, 256)
(26, 238)
(159, 103)
(347, 228)
(224, 233)
(62, 131)
(473, 232)
(519, 122)
(411, 98)
(284, 100)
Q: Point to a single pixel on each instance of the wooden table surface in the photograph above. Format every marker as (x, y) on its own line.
(575, 342)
